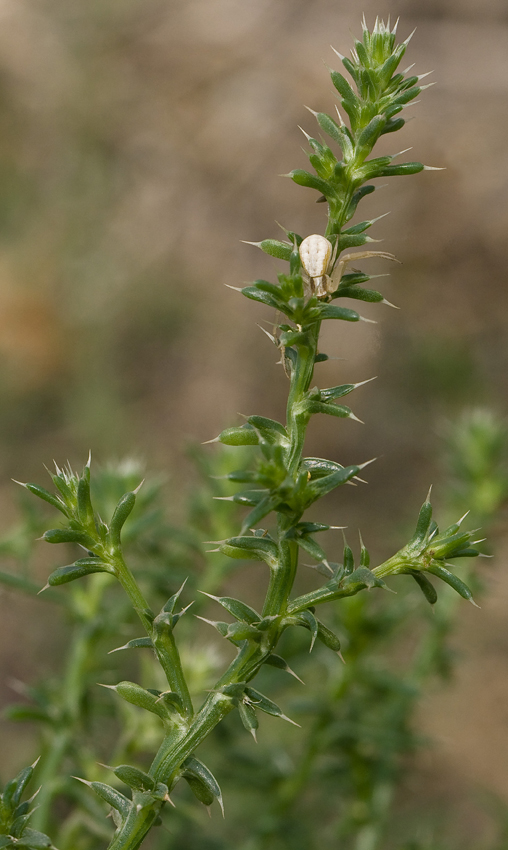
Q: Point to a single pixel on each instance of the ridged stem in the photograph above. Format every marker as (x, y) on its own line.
(176, 748)
(164, 644)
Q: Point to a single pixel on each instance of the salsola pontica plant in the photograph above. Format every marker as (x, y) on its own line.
(282, 484)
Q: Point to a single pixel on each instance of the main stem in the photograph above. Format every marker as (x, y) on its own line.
(178, 746)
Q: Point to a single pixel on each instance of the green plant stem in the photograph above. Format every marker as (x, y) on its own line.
(164, 645)
(301, 377)
(80, 660)
(179, 745)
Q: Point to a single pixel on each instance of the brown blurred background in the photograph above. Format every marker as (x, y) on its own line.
(140, 141)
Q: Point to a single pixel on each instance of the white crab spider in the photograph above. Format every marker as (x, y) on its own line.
(318, 259)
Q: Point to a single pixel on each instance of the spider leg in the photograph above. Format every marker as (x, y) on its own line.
(335, 279)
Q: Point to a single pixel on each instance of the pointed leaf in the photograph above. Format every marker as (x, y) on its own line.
(452, 580)
(113, 797)
(337, 392)
(339, 410)
(134, 778)
(329, 638)
(248, 718)
(330, 311)
(238, 609)
(32, 839)
(269, 430)
(371, 296)
(309, 621)
(427, 588)
(363, 576)
(69, 535)
(202, 781)
(303, 178)
(321, 486)
(252, 548)
(42, 493)
(137, 695)
(81, 568)
(243, 435)
(265, 506)
(264, 704)
(121, 513)
(423, 524)
(314, 549)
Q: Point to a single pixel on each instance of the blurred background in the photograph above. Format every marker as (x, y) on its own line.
(140, 142)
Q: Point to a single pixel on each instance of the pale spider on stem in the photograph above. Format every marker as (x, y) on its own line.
(318, 258)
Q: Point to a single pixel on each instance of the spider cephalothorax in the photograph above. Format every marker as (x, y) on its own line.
(319, 257)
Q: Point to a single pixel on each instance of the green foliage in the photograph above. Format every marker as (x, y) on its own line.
(15, 815)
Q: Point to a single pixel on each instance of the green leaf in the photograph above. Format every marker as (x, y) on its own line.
(249, 497)
(135, 644)
(343, 87)
(423, 524)
(329, 638)
(81, 568)
(69, 535)
(252, 548)
(280, 250)
(427, 588)
(320, 487)
(32, 839)
(330, 409)
(202, 782)
(264, 704)
(348, 560)
(363, 576)
(303, 178)
(402, 169)
(393, 125)
(263, 297)
(308, 621)
(140, 697)
(352, 240)
(13, 791)
(357, 197)
(84, 504)
(121, 513)
(369, 295)
(239, 610)
(243, 435)
(452, 580)
(265, 506)
(311, 527)
(46, 496)
(270, 430)
(370, 134)
(336, 133)
(111, 796)
(238, 632)
(311, 547)
(134, 778)
(337, 392)
(407, 95)
(248, 718)
(320, 467)
(331, 311)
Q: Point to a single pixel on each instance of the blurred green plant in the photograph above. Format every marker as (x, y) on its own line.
(358, 720)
